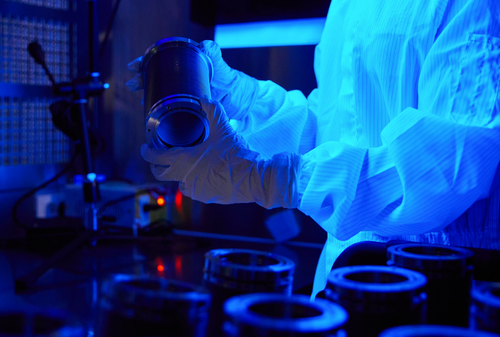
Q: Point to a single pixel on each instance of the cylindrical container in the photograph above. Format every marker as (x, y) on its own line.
(377, 297)
(485, 308)
(433, 331)
(449, 277)
(263, 315)
(133, 306)
(34, 323)
(177, 75)
(231, 272)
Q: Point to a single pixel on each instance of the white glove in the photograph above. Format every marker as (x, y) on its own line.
(234, 89)
(224, 170)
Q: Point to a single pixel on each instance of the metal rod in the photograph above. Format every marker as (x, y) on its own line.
(26, 281)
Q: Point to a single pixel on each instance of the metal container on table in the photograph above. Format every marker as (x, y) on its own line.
(485, 307)
(39, 323)
(133, 306)
(449, 278)
(377, 297)
(177, 75)
(262, 315)
(231, 272)
(433, 331)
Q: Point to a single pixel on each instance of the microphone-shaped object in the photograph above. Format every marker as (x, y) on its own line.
(38, 55)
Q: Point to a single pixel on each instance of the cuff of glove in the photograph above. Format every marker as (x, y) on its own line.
(241, 97)
(283, 183)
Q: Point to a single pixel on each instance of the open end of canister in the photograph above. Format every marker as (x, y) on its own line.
(431, 251)
(285, 310)
(274, 314)
(180, 129)
(375, 277)
(250, 259)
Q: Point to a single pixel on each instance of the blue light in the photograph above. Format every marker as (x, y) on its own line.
(91, 177)
(96, 74)
(106, 85)
(78, 179)
(270, 33)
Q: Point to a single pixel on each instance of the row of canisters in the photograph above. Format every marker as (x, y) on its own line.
(425, 290)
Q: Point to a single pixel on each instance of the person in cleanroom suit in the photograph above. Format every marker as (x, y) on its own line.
(400, 140)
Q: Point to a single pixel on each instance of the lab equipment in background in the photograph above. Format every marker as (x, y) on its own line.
(39, 323)
(177, 75)
(231, 272)
(262, 315)
(133, 306)
(449, 278)
(433, 331)
(377, 297)
(485, 307)
(137, 206)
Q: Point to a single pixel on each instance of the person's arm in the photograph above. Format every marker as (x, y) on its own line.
(435, 162)
(271, 119)
(280, 121)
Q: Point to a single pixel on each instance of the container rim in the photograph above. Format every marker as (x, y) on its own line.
(331, 315)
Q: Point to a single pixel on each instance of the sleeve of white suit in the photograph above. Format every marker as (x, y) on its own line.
(279, 121)
(435, 161)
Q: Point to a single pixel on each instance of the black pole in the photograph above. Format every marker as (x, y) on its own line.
(92, 7)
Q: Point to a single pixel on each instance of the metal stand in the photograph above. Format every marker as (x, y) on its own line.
(80, 90)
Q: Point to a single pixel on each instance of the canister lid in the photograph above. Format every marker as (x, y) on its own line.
(374, 283)
(248, 265)
(152, 292)
(428, 257)
(283, 313)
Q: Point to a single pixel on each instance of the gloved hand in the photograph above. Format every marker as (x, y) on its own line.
(224, 170)
(234, 89)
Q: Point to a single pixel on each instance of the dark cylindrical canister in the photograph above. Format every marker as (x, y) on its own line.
(33, 323)
(176, 75)
(485, 308)
(263, 315)
(133, 306)
(377, 297)
(449, 277)
(231, 272)
(433, 331)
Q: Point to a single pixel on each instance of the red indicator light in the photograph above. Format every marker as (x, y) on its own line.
(178, 265)
(160, 268)
(160, 201)
(178, 201)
